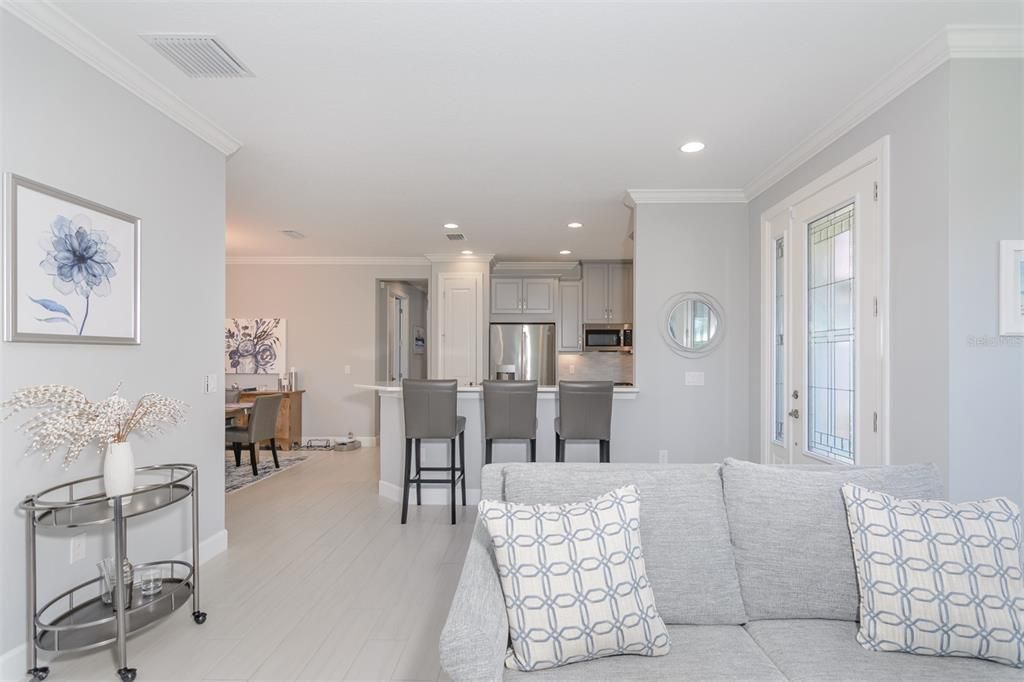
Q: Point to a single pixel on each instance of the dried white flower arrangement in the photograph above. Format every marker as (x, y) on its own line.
(67, 419)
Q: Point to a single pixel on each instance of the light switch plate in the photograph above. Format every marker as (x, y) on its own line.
(695, 378)
(210, 383)
(348, 369)
(662, 456)
(572, 369)
(77, 548)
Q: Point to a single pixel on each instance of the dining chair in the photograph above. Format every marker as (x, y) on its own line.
(261, 427)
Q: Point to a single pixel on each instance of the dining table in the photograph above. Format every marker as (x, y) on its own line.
(233, 410)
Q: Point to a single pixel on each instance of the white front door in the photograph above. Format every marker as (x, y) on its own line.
(823, 273)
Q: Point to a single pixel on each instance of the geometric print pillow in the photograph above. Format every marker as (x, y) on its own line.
(938, 579)
(574, 580)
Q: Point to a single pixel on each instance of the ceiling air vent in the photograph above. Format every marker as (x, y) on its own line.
(199, 55)
(455, 236)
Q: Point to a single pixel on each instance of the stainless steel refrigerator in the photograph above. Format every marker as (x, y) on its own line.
(524, 352)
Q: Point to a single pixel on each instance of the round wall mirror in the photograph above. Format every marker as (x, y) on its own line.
(693, 323)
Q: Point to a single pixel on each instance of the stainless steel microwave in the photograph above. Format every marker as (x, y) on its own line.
(617, 338)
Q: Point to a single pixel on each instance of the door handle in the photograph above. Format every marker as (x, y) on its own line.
(794, 413)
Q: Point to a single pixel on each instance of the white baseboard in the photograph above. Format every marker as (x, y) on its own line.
(14, 662)
(367, 441)
(431, 495)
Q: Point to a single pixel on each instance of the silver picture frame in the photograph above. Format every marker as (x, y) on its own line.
(13, 302)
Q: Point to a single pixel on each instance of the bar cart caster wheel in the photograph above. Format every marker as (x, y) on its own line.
(199, 617)
(127, 674)
(39, 674)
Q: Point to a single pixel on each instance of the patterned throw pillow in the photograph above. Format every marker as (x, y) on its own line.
(938, 579)
(574, 580)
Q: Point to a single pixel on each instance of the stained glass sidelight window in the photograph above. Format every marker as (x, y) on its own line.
(779, 420)
(830, 335)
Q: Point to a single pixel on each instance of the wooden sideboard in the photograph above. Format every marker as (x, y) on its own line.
(289, 418)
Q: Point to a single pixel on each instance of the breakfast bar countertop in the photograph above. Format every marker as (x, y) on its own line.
(620, 391)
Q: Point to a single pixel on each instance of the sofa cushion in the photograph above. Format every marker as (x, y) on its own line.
(936, 578)
(816, 650)
(574, 580)
(685, 531)
(789, 533)
(699, 652)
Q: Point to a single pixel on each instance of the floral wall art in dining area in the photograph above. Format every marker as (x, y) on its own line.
(72, 268)
(254, 346)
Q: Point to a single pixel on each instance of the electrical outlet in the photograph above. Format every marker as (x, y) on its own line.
(77, 548)
(209, 383)
(694, 378)
(662, 456)
(348, 369)
(572, 369)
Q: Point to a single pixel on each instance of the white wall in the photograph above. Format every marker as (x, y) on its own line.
(955, 190)
(66, 125)
(331, 311)
(986, 373)
(689, 247)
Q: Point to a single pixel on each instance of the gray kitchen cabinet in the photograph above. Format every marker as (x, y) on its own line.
(570, 314)
(607, 293)
(523, 296)
(506, 296)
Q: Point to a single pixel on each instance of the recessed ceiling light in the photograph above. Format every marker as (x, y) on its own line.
(451, 226)
(467, 252)
(691, 147)
(575, 225)
(564, 252)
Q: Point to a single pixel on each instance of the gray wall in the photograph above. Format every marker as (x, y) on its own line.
(954, 184)
(690, 247)
(66, 125)
(986, 373)
(330, 311)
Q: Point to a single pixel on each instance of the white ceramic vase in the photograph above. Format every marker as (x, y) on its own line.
(119, 470)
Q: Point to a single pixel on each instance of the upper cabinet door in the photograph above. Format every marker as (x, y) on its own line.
(570, 308)
(595, 293)
(620, 293)
(539, 296)
(507, 296)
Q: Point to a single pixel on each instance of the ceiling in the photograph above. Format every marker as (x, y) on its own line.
(369, 125)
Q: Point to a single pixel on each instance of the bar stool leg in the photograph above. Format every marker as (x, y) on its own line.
(558, 447)
(533, 449)
(605, 452)
(488, 446)
(462, 464)
(405, 479)
(454, 480)
(418, 473)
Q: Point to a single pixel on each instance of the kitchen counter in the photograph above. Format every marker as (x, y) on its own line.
(470, 406)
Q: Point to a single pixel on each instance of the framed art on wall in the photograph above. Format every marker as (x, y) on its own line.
(71, 268)
(255, 346)
(1011, 287)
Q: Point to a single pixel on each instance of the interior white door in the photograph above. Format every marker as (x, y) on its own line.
(834, 357)
(461, 328)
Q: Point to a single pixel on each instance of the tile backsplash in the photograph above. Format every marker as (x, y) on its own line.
(595, 366)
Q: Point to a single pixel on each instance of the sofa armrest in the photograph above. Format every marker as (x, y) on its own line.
(475, 637)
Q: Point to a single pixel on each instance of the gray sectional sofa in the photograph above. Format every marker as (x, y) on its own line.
(751, 566)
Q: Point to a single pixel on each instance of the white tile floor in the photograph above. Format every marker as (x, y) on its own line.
(320, 582)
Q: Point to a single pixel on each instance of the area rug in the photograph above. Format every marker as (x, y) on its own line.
(236, 478)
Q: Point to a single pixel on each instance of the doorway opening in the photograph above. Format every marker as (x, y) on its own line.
(401, 337)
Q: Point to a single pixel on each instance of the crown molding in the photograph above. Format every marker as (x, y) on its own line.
(953, 42)
(459, 258)
(326, 260)
(634, 197)
(554, 268)
(56, 25)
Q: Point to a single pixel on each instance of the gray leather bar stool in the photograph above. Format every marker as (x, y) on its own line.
(430, 414)
(584, 413)
(510, 413)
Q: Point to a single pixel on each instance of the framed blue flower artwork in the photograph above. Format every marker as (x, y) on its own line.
(71, 268)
